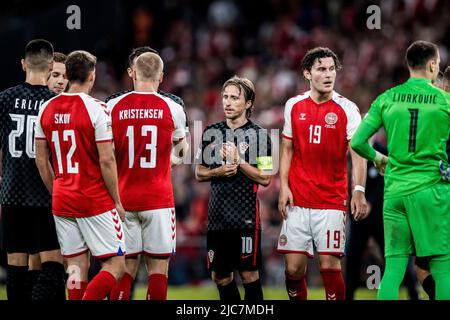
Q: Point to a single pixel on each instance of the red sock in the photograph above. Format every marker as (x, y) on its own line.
(76, 290)
(122, 289)
(157, 287)
(296, 288)
(100, 286)
(334, 284)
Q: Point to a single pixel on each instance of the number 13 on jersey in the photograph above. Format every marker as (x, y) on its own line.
(146, 131)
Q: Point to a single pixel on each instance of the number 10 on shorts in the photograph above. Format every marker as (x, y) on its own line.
(247, 244)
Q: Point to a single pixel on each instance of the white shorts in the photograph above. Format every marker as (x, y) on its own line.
(152, 232)
(101, 234)
(303, 226)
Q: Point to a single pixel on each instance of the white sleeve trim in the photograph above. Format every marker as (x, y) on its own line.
(351, 111)
(178, 117)
(100, 118)
(287, 128)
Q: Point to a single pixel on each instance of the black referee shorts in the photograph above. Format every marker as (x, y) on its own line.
(28, 229)
(230, 250)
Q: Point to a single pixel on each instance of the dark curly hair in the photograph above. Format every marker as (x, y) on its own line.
(319, 53)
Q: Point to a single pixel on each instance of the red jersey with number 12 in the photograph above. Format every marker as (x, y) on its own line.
(144, 126)
(73, 124)
(320, 134)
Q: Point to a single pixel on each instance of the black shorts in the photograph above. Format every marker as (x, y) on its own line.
(28, 229)
(230, 250)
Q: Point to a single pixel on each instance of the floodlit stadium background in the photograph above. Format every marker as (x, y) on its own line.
(203, 43)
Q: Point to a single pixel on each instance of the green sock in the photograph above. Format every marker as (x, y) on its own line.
(440, 269)
(393, 277)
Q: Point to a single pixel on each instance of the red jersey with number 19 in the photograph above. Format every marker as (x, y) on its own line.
(320, 134)
(73, 124)
(144, 126)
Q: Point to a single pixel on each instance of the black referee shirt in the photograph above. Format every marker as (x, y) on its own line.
(234, 201)
(19, 107)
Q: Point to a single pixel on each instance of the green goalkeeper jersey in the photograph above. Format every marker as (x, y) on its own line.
(416, 118)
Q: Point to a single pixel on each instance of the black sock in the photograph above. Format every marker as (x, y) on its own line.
(51, 283)
(16, 283)
(32, 278)
(229, 292)
(253, 291)
(430, 287)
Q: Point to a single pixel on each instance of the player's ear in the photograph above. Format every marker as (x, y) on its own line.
(92, 76)
(161, 77)
(130, 72)
(24, 64)
(307, 74)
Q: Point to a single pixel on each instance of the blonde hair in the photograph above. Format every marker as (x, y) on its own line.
(148, 66)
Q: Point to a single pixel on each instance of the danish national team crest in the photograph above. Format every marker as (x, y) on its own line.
(331, 118)
(283, 240)
(210, 256)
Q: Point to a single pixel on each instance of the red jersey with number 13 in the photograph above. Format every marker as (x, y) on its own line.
(144, 126)
(320, 134)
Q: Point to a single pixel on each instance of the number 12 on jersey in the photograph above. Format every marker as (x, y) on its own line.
(151, 147)
(67, 134)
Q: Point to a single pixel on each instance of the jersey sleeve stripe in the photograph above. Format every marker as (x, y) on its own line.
(287, 137)
(101, 141)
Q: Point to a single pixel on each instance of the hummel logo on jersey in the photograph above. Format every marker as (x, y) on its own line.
(302, 116)
(292, 293)
(331, 296)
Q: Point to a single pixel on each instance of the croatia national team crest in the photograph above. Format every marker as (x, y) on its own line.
(331, 118)
(210, 256)
(243, 146)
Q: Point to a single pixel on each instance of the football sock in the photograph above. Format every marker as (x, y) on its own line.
(229, 292)
(253, 291)
(440, 269)
(100, 286)
(32, 278)
(429, 286)
(333, 283)
(393, 277)
(16, 283)
(157, 287)
(122, 289)
(76, 290)
(50, 284)
(296, 288)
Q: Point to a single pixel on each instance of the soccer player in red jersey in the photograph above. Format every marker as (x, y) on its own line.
(146, 128)
(313, 171)
(75, 130)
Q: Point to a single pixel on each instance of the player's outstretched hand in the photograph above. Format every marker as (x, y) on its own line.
(359, 205)
(381, 164)
(227, 170)
(286, 198)
(445, 172)
(120, 211)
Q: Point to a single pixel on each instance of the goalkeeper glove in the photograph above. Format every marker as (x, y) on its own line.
(445, 172)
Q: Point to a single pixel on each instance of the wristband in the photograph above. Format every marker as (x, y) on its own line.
(359, 188)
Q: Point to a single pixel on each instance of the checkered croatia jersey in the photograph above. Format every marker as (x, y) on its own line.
(19, 107)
